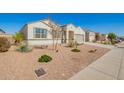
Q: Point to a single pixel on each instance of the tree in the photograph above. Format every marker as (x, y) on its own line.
(18, 37)
(55, 32)
(97, 36)
(58, 35)
(112, 36)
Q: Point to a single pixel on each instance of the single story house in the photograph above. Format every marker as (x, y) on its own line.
(101, 37)
(104, 37)
(90, 36)
(42, 33)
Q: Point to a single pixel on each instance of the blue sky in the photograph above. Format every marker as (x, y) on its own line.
(104, 23)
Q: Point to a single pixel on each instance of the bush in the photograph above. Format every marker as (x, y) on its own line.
(75, 50)
(93, 50)
(24, 48)
(44, 58)
(106, 42)
(4, 44)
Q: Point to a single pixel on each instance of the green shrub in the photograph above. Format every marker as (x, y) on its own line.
(75, 50)
(44, 58)
(4, 44)
(24, 48)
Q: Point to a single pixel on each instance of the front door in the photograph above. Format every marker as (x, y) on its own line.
(63, 37)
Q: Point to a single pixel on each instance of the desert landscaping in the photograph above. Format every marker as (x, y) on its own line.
(65, 63)
(46, 50)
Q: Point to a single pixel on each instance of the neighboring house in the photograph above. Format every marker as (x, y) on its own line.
(101, 37)
(104, 37)
(41, 33)
(98, 36)
(8, 36)
(90, 36)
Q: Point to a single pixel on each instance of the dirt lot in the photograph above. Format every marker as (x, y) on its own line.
(15, 65)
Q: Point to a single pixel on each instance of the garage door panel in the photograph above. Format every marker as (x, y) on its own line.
(79, 38)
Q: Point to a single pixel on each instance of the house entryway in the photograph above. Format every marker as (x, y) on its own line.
(63, 37)
(71, 35)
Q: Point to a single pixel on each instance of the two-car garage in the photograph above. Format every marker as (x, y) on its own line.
(79, 38)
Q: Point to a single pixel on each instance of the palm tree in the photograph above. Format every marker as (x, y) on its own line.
(112, 36)
(18, 37)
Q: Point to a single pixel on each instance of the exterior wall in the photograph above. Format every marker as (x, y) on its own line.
(92, 36)
(86, 37)
(24, 30)
(29, 34)
(38, 25)
(79, 34)
(69, 27)
(47, 21)
(36, 42)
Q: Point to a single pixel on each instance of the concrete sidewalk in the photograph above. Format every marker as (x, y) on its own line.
(108, 67)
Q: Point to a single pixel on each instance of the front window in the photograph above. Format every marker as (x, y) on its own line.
(57, 34)
(40, 33)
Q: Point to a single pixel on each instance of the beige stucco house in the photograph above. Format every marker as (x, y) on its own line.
(41, 33)
(90, 36)
(101, 37)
